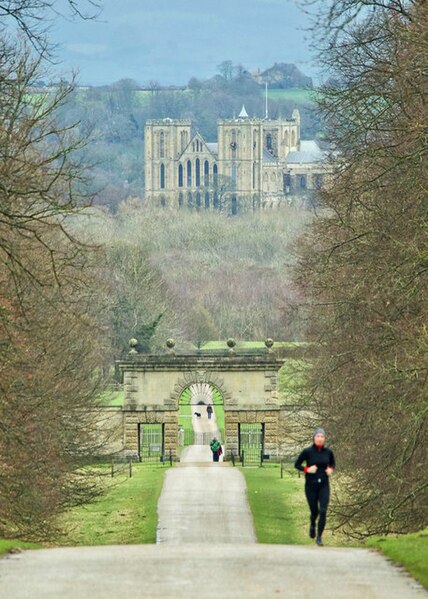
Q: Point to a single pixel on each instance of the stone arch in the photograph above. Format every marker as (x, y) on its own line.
(265, 181)
(206, 173)
(162, 176)
(197, 376)
(197, 172)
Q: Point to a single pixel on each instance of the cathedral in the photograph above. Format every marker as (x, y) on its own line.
(255, 163)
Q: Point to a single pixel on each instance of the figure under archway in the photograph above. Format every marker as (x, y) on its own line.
(201, 414)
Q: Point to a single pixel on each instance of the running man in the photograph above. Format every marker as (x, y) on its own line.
(320, 464)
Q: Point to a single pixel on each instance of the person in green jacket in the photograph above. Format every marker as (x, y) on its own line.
(215, 446)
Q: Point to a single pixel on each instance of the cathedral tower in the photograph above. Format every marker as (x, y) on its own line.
(240, 156)
(165, 140)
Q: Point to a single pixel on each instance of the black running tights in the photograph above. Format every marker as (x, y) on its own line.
(318, 496)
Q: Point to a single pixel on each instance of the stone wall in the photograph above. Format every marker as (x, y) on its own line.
(269, 418)
(133, 418)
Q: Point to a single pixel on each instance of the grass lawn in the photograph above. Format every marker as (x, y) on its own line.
(7, 545)
(295, 94)
(185, 422)
(278, 505)
(411, 551)
(112, 398)
(127, 513)
(185, 416)
(219, 415)
(281, 515)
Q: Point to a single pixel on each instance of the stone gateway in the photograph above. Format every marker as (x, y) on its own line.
(154, 384)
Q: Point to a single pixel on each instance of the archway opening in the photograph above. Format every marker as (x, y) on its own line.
(201, 415)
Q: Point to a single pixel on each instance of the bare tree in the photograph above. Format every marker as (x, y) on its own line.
(363, 270)
(50, 334)
(32, 17)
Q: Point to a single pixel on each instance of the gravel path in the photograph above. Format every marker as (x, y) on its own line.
(190, 571)
(203, 501)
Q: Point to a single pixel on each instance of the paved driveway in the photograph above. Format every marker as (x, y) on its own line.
(201, 571)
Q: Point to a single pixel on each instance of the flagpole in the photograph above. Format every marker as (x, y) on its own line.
(266, 95)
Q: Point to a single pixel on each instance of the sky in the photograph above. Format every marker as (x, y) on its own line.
(170, 41)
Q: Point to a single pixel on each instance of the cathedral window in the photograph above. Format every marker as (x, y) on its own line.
(302, 181)
(180, 175)
(161, 144)
(269, 142)
(189, 174)
(189, 200)
(207, 200)
(216, 200)
(162, 176)
(198, 172)
(233, 144)
(198, 200)
(215, 174)
(234, 205)
(180, 200)
(206, 173)
(234, 176)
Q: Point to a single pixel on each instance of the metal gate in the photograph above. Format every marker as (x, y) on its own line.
(251, 443)
(151, 442)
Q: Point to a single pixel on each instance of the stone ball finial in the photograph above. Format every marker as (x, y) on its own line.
(133, 344)
(231, 343)
(269, 343)
(170, 343)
